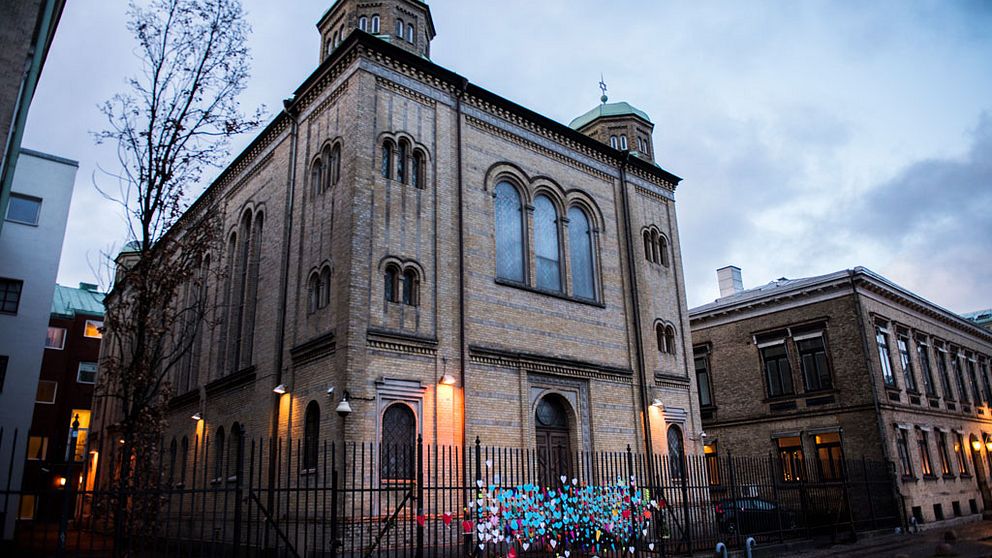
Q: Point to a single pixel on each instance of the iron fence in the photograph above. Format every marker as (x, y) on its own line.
(279, 498)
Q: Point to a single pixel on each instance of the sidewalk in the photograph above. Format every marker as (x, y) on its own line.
(974, 541)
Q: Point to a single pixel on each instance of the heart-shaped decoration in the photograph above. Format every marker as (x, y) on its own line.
(467, 526)
(446, 518)
(563, 479)
(478, 483)
(630, 550)
(553, 543)
(568, 553)
(421, 520)
(481, 546)
(489, 463)
(650, 546)
(575, 482)
(526, 545)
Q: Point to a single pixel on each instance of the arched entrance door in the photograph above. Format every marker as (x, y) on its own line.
(553, 439)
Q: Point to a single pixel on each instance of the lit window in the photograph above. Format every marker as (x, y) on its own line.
(79, 448)
(46, 392)
(778, 373)
(923, 442)
(712, 463)
(10, 295)
(55, 338)
(676, 452)
(791, 459)
(27, 507)
(23, 209)
(86, 373)
(829, 456)
(37, 448)
(93, 329)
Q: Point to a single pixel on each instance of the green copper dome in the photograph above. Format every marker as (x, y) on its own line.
(608, 110)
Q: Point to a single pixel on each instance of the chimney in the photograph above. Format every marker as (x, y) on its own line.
(730, 280)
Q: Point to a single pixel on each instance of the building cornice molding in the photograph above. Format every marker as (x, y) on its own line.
(532, 362)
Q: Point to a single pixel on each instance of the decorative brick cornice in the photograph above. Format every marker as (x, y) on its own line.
(400, 342)
(649, 194)
(405, 91)
(546, 364)
(327, 102)
(248, 176)
(231, 381)
(314, 349)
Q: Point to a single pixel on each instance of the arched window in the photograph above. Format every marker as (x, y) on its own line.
(410, 37)
(336, 40)
(251, 291)
(546, 245)
(417, 170)
(219, 454)
(659, 332)
(663, 250)
(401, 162)
(623, 141)
(184, 457)
(648, 247)
(613, 142)
(390, 284)
(399, 434)
(363, 23)
(509, 233)
(411, 287)
(581, 256)
(324, 286)
(332, 158)
(387, 159)
(313, 292)
(311, 435)
(173, 455)
(670, 340)
(375, 24)
(676, 452)
(234, 451)
(399, 28)
(330, 46)
(317, 177)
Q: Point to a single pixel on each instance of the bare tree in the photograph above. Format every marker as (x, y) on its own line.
(172, 123)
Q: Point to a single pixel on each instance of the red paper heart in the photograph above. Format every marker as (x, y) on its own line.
(446, 518)
(467, 526)
(625, 514)
(421, 520)
(512, 553)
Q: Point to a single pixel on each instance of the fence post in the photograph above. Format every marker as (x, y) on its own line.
(238, 483)
(470, 548)
(871, 504)
(683, 468)
(774, 482)
(847, 498)
(734, 497)
(334, 501)
(631, 482)
(420, 495)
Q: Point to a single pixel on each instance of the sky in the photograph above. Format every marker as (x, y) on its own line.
(811, 136)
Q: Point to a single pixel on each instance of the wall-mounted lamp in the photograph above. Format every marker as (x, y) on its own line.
(344, 408)
(976, 445)
(658, 403)
(280, 389)
(988, 445)
(447, 380)
(197, 416)
(61, 481)
(330, 391)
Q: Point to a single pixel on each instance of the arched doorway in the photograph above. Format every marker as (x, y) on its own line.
(554, 437)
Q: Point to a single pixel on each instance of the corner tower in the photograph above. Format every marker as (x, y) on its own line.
(404, 23)
(619, 125)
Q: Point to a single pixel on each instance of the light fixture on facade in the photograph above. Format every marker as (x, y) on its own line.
(447, 380)
(61, 481)
(988, 444)
(330, 391)
(976, 445)
(344, 408)
(280, 389)
(197, 416)
(658, 403)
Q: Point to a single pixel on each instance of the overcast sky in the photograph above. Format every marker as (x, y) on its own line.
(811, 136)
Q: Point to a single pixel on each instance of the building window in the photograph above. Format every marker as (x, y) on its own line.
(86, 373)
(375, 24)
(614, 142)
(77, 450)
(778, 373)
(623, 141)
(313, 292)
(881, 338)
(791, 459)
(401, 162)
(391, 283)
(219, 455)
(959, 450)
(945, 380)
(3, 370)
(399, 28)
(829, 456)
(959, 376)
(813, 362)
(546, 248)
(923, 442)
(46, 392)
(676, 452)
(10, 295)
(902, 444)
(363, 23)
(311, 436)
(984, 369)
(93, 329)
(976, 397)
(923, 355)
(23, 209)
(410, 34)
(702, 364)
(387, 159)
(417, 169)
(336, 40)
(399, 431)
(411, 287)
(581, 254)
(902, 342)
(235, 452)
(317, 177)
(509, 234)
(37, 448)
(712, 463)
(666, 338)
(55, 338)
(945, 457)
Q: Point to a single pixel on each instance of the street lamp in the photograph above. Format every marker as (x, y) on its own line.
(344, 408)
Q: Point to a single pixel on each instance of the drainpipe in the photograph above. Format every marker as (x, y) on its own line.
(638, 330)
(859, 317)
(461, 256)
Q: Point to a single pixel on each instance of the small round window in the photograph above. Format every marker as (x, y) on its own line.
(551, 413)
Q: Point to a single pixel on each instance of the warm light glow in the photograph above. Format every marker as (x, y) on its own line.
(121, 440)
(281, 389)
(976, 445)
(448, 380)
(60, 481)
(988, 445)
(658, 403)
(197, 416)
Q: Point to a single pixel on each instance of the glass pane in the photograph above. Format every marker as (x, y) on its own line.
(546, 245)
(23, 209)
(509, 234)
(580, 245)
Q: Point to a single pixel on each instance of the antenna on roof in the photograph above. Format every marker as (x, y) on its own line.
(602, 87)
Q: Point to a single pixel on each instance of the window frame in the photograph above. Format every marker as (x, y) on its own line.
(906, 361)
(826, 373)
(836, 461)
(763, 349)
(311, 438)
(405, 470)
(375, 24)
(97, 326)
(518, 260)
(547, 244)
(902, 450)
(923, 444)
(926, 368)
(944, 454)
(61, 346)
(55, 392)
(703, 354)
(11, 292)
(24, 197)
(791, 458)
(79, 372)
(885, 356)
(959, 452)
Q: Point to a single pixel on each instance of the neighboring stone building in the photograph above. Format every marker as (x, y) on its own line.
(452, 264)
(68, 373)
(849, 364)
(981, 317)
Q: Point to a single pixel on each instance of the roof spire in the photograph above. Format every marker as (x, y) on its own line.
(602, 87)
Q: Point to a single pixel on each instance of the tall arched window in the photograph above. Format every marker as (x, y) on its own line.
(317, 177)
(623, 141)
(387, 159)
(234, 451)
(324, 286)
(509, 233)
(399, 434)
(240, 307)
(411, 287)
(546, 245)
(219, 454)
(313, 292)
(184, 458)
(173, 455)
(251, 291)
(648, 246)
(375, 24)
(613, 142)
(580, 252)
(659, 332)
(663, 250)
(401, 162)
(363, 23)
(417, 170)
(334, 165)
(390, 283)
(311, 435)
(670, 340)
(399, 28)
(410, 34)
(676, 452)
(337, 39)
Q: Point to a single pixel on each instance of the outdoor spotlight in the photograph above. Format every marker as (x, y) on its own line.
(447, 379)
(330, 391)
(197, 416)
(702, 434)
(344, 408)
(61, 481)
(658, 403)
(976, 445)
(280, 389)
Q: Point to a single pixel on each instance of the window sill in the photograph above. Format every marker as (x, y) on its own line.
(930, 477)
(308, 472)
(909, 478)
(965, 475)
(949, 477)
(780, 398)
(216, 481)
(562, 296)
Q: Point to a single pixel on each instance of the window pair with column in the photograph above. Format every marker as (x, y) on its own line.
(810, 346)
(550, 232)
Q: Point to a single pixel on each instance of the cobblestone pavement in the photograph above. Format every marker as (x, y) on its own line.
(974, 540)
